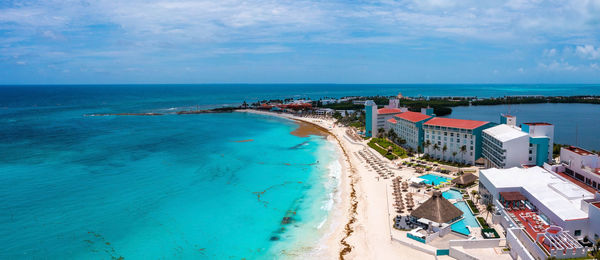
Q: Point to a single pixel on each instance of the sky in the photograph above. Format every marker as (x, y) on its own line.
(299, 41)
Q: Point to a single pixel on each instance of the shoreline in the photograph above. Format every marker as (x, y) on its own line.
(342, 215)
(361, 221)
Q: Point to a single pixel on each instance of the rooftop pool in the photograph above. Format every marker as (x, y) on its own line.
(468, 219)
(433, 179)
(452, 194)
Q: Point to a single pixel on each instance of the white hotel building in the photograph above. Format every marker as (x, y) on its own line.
(409, 126)
(506, 145)
(454, 134)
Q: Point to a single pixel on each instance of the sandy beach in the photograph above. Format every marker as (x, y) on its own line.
(359, 221)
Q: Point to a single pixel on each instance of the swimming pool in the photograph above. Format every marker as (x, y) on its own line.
(452, 194)
(468, 219)
(433, 179)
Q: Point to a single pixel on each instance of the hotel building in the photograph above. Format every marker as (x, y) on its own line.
(376, 118)
(409, 126)
(544, 215)
(506, 145)
(454, 134)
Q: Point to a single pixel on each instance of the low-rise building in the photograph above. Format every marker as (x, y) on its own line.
(542, 212)
(582, 165)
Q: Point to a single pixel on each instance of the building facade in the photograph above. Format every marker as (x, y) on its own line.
(409, 126)
(376, 118)
(505, 146)
(541, 141)
(447, 136)
(582, 165)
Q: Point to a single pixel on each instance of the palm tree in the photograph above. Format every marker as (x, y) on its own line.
(454, 156)
(463, 150)
(489, 208)
(444, 149)
(426, 145)
(436, 147)
(473, 193)
(380, 132)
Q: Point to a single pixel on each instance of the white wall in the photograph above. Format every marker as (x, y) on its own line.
(517, 151)
(594, 222)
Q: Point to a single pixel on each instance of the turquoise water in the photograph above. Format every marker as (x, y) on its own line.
(76, 187)
(468, 219)
(452, 194)
(433, 179)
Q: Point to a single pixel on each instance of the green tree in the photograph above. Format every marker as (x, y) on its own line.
(444, 149)
(454, 156)
(489, 208)
(463, 150)
(337, 115)
(436, 147)
(380, 132)
(426, 145)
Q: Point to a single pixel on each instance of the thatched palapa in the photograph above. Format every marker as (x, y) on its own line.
(437, 209)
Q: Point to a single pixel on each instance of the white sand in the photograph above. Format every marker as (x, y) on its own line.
(369, 236)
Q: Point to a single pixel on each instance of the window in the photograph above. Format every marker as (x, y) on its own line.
(577, 232)
(465, 136)
(451, 134)
(445, 133)
(530, 158)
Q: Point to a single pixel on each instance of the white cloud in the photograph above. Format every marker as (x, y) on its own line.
(557, 66)
(588, 52)
(549, 52)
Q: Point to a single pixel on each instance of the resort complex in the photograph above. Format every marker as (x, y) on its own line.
(466, 189)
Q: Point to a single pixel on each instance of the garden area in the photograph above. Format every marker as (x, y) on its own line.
(387, 149)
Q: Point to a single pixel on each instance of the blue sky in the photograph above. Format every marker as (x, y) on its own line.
(299, 41)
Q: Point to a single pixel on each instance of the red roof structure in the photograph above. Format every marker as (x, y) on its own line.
(413, 116)
(389, 111)
(455, 123)
(391, 120)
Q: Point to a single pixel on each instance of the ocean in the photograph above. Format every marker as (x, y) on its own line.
(179, 186)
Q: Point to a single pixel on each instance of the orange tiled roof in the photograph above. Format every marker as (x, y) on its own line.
(388, 111)
(455, 123)
(413, 116)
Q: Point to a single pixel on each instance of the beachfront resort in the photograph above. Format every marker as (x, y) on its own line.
(468, 189)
